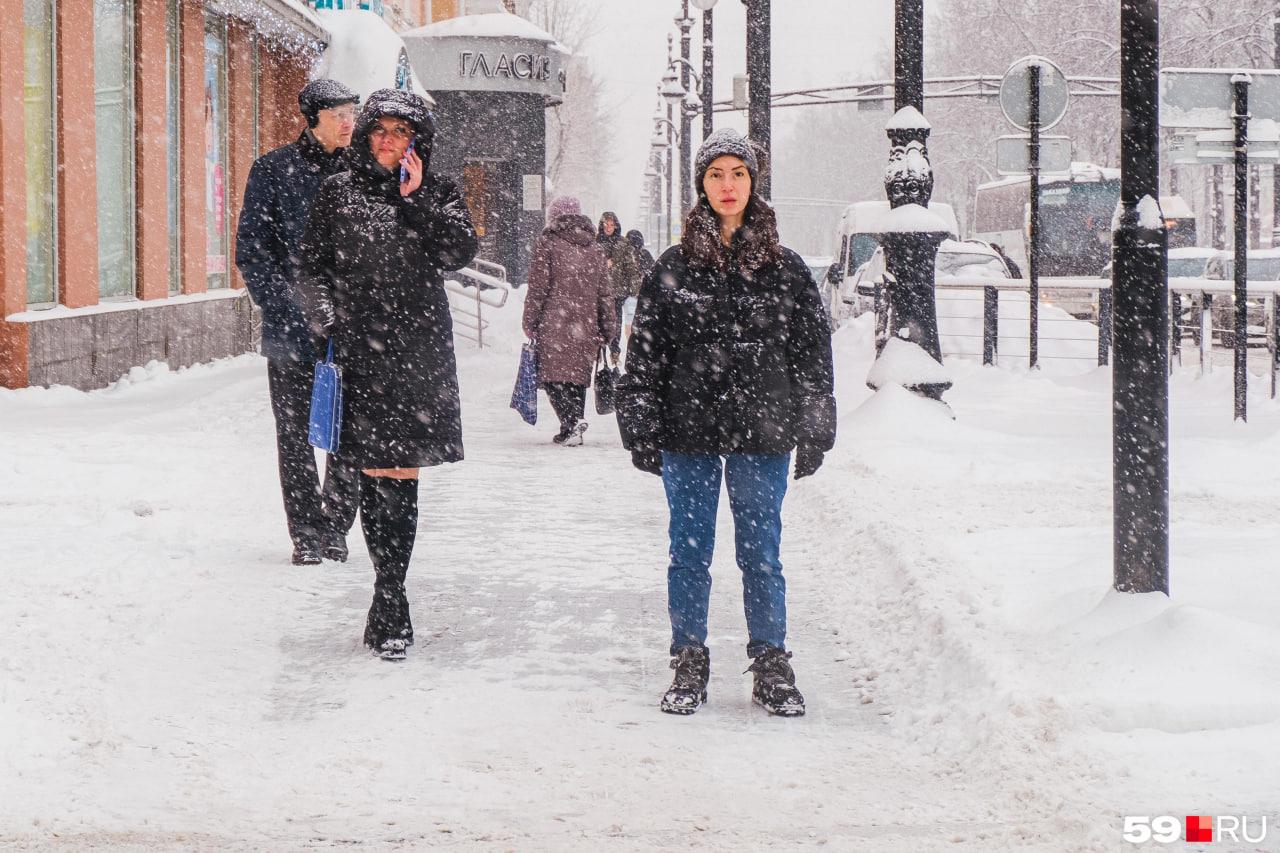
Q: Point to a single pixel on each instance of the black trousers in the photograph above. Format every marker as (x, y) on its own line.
(314, 512)
(569, 401)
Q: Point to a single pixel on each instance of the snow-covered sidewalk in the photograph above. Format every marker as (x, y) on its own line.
(168, 681)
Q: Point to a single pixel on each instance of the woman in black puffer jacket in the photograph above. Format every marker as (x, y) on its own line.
(373, 255)
(728, 371)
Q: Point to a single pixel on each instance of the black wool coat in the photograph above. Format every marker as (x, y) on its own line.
(728, 360)
(374, 261)
(277, 196)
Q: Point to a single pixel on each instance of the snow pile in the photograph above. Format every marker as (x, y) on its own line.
(363, 52)
(904, 363)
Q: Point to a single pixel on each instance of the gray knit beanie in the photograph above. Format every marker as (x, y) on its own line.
(724, 142)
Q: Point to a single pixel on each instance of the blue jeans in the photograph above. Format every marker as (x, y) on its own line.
(757, 484)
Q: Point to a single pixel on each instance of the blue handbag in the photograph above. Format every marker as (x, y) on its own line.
(326, 405)
(524, 397)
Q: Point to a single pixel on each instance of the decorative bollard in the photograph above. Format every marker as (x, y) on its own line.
(910, 234)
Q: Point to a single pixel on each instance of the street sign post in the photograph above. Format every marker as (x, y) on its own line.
(1053, 93)
(1033, 96)
(1013, 155)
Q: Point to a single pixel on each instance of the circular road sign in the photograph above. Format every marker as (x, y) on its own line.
(1014, 93)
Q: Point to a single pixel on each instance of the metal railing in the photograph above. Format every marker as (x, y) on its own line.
(1200, 330)
(468, 299)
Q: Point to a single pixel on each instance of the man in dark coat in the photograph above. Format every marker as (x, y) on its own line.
(621, 261)
(378, 240)
(277, 197)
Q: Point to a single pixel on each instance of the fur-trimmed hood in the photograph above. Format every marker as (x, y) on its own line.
(755, 245)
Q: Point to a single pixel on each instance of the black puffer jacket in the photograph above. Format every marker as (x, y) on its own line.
(277, 196)
(372, 261)
(731, 357)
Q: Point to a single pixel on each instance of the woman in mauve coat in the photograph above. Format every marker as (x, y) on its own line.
(373, 255)
(568, 312)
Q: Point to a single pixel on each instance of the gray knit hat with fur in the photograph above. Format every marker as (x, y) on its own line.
(724, 142)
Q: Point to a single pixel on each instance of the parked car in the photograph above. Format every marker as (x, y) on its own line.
(956, 259)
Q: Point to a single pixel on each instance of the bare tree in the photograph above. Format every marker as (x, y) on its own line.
(579, 130)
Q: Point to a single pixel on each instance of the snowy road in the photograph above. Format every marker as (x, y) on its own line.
(169, 682)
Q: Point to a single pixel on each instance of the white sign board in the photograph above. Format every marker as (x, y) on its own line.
(1013, 155)
(1203, 98)
(1216, 147)
(532, 192)
(1015, 90)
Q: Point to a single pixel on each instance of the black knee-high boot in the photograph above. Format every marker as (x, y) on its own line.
(389, 518)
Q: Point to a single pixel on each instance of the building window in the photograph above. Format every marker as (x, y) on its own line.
(40, 143)
(114, 128)
(173, 124)
(217, 221)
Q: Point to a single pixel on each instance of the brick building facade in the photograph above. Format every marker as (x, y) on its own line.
(127, 129)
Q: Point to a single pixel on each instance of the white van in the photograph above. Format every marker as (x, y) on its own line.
(857, 234)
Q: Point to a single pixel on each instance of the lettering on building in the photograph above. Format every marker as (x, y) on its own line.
(519, 66)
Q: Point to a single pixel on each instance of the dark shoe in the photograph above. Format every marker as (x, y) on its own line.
(335, 548)
(689, 688)
(306, 555)
(775, 684)
(388, 620)
(559, 438)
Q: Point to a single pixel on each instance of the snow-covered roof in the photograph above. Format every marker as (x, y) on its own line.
(363, 52)
(289, 21)
(1080, 173)
(1193, 252)
(492, 25)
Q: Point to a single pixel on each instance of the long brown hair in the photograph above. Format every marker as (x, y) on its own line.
(755, 244)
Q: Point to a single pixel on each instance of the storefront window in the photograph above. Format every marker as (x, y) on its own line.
(40, 144)
(113, 114)
(215, 152)
(173, 124)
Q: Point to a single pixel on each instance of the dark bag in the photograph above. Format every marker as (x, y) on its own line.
(325, 427)
(606, 384)
(524, 397)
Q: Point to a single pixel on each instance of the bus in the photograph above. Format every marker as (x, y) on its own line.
(1075, 219)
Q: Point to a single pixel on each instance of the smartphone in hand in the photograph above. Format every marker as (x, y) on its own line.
(404, 173)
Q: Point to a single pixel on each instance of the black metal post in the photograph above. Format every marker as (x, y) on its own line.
(1240, 91)
(686, 120)
(759, 125)
(990, 324)
(670, 176)
(1275, 172)
(1175, 328)
(1275, 342)
(1140, 378)
(708, 73)
(908, 54)
(1033, 237)
(1105, 323)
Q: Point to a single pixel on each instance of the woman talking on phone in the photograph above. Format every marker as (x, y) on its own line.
(377, 241)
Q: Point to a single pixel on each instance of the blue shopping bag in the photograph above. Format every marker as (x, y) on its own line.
(524, 397)
(326, 405)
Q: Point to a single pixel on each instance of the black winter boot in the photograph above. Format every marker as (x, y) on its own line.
(689, 688)
(775, 684)
(389, 518)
